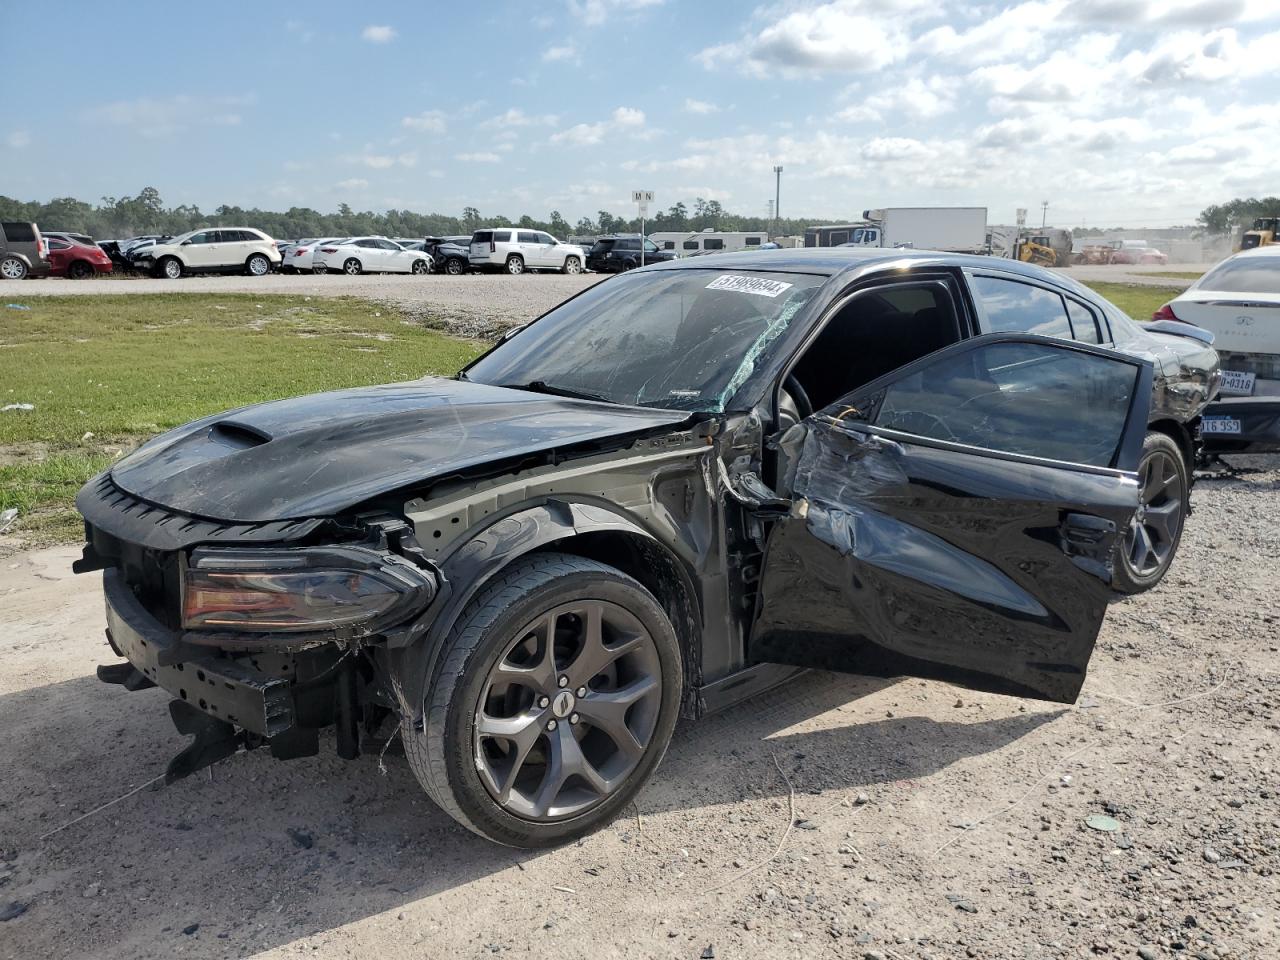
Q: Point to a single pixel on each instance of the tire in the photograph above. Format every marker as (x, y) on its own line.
(455, 267)
(628, 265)
(515, 265)
(170, 268)
(460, 766)
(352, 267)
(79, 270)
(258, 265)
(1146, 551)
(572, 265)
(320, 270)
(421, 267)
(13, 268)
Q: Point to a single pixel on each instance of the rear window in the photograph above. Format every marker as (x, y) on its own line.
(1242, 275)
(1022, 308)
(20, 232)
(482, 236)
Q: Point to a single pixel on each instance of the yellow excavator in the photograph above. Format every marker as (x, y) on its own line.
(1261, 234)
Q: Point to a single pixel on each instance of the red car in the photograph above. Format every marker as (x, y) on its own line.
(70, 258)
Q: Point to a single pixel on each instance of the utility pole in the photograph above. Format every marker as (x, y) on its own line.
(1044, 213)
(770, 205)
(777, 196)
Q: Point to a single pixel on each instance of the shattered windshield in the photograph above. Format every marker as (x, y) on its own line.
(681, 339)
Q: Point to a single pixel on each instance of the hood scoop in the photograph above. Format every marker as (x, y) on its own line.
(238, 436)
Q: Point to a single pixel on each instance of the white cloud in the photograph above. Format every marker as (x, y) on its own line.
(432, 121)
(355, 183)
(554, 54)
(593, 13)
(1017, 32)
(18, 139)
(382, 161)
(916, 99)
(626, 120)
(378, 34)
(582, 134)
(701, 107)
(516, 117)
(628, 117)
(845, 36)
(157, 118)
(479, 157)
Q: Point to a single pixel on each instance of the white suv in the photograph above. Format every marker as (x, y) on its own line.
(220, 250)
(516, 251)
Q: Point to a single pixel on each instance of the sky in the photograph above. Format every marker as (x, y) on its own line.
(1133, 112)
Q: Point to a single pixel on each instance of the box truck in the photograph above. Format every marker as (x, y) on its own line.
(953, 229)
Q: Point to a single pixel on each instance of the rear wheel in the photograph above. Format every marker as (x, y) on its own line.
(1145, 553)
(258, 265)
(572, 265)
(515, 265)
(80, 269)
(352, 267)
(13, 268)
(554, 702)
(171, 268)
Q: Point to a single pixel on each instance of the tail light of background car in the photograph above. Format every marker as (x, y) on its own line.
(328, 249)
(299, 251)
(342, 591)
(1166, 313)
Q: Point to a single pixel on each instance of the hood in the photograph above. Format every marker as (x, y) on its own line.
(318, 455)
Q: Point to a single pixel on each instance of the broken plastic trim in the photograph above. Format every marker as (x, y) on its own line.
(332, 592)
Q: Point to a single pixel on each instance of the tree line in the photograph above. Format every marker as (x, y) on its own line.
(1229, 217)
(117, 218)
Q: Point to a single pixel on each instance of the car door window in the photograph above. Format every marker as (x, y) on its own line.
(1032, 399)
(367, 244)
(1084, 325)
(527, 236)
(59, 245)
(201, 238)
(1013, 306)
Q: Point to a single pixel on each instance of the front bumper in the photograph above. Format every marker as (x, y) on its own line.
(230, 689)
(1241, 425)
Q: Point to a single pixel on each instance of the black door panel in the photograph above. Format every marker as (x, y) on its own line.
(906, 554)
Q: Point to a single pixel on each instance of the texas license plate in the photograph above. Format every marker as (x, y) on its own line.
(1219, 425)
(1236, 383)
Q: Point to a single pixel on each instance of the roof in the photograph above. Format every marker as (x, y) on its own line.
(828, 261)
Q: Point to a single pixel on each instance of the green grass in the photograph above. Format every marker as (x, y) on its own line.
(123, 368)
(1177, 274)
(1137, 301)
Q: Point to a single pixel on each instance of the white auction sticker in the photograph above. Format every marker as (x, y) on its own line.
(760, 286)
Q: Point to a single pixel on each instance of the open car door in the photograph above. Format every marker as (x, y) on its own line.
(955, 518)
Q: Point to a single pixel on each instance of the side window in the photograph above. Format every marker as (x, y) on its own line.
(390, 245)
(752, 241)
(527, 236)
(668, 244)
(203, 237)
(1021, 308)
(1084, 326)
(502, 236)
(650, 247)
(1032, 399)
(713, 243)
(367, 244)
(690, 244)
(19, 233)
(481, 236)
(546, 239)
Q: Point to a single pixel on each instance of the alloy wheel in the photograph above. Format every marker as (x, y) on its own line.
(568, 711)
(172, 269)
(12, 268)
(421, 266)
(258, 266)
(454, 267)
(571, 265)
(515, 266)
(1153, 532)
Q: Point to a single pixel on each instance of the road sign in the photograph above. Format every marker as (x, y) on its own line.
(642, 196)
(642, 199)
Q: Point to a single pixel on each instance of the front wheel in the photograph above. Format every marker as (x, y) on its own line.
(171, 268)
(1145, 553)
(352, 267)
(515, 265)
(421, 266)
(572, 265)
(555, 700)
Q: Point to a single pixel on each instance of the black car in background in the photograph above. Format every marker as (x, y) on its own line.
(667, 494)
(449, 254)
(619, 253)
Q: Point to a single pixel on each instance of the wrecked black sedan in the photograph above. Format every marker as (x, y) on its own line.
(669, 493)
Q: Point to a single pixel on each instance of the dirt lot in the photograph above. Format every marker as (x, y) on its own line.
(837, 817)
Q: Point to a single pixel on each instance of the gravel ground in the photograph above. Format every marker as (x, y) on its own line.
(836, 817)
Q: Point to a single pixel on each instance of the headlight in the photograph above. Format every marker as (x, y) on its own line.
(343, 592)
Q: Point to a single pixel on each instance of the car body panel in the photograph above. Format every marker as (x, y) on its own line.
(63, 253)
(311, 455)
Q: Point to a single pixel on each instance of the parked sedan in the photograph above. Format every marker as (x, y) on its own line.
(356, 255)
(665, 495)
(299, 257)
(69, 258)
(1239, 302)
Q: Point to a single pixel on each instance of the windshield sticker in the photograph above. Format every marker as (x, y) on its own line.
(760, 286)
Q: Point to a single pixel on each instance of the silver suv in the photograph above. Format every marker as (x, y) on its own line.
(516, 251)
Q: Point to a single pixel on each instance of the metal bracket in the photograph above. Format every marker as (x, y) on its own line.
(214, 740)
(126, 675)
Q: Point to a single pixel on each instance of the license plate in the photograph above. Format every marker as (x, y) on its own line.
(1236, 383)
(1219, 425)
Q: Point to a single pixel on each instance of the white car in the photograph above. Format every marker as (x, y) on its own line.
(1239, 302)
(516, 251)
(297, 257)
(355, 255)
(211, 250)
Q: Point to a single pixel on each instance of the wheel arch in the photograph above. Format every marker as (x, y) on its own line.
(580, 528)
(1179, 434)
